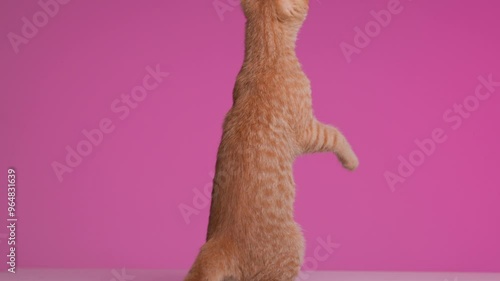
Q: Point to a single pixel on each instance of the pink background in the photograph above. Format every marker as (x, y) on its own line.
(120, 206)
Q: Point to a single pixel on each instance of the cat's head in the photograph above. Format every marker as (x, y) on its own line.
(286, 11)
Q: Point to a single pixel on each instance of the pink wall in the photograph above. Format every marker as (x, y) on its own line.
(120, 205)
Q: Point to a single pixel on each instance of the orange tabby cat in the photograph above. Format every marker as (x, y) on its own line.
(252, 235)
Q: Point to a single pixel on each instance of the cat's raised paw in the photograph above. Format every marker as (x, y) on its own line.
(351, 163)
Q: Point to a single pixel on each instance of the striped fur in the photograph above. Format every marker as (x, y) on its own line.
(252, 235)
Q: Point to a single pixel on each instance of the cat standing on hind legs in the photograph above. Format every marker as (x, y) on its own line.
(252, 235)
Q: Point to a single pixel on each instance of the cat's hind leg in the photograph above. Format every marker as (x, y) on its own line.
(319, 137)
(214, 263)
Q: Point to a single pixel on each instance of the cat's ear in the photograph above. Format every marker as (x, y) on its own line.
(293, 8)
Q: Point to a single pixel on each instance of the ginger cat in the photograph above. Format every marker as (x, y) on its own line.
(252, 234)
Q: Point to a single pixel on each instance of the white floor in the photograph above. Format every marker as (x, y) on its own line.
(169, 275)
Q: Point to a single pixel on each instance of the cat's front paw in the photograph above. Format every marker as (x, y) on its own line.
(350, 162)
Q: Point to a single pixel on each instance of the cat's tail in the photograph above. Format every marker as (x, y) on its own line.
(214, 263)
